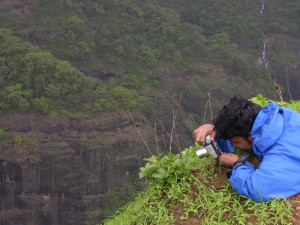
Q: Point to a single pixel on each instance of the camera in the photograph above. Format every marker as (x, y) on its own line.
(209, 148)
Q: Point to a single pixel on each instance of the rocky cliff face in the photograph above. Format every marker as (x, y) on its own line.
(55, 170)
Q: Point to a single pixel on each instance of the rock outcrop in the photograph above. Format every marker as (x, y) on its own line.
(53, 170)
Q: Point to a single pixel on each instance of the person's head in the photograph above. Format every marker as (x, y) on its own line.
(235, 120)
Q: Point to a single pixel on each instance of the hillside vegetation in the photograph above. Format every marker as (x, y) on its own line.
(185, 47)
(153, 49)
(101, 56)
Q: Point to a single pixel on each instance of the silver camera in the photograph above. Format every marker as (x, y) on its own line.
(209, 148)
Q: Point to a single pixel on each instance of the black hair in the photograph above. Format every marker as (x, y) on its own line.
(236, 118)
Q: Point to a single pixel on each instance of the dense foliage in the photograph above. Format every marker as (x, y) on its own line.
(143, 43)
(139, 42)
(136, 44)
(33, 78)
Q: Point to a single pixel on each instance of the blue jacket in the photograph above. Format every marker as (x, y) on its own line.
(276, 138)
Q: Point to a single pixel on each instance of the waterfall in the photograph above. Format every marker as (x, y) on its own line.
(264, 60)
(262, 7)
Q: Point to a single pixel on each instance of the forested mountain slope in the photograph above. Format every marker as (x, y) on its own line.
(90, 88)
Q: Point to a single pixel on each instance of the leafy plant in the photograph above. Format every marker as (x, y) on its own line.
(263, 102)
(168, 169)
(18, 140)
(260, 100)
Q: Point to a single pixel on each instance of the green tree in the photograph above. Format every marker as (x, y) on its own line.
(15, 96)
(126, 98)
(148, 55)
(38, 71)
(41, 104)
(76, 36)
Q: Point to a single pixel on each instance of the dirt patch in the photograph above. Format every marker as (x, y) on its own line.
(295, 203)
(193, 220)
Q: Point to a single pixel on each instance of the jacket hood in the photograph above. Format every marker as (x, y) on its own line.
(267, 128)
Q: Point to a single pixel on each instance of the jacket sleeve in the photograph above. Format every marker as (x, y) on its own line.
(242, 182)
(226, 146)
(276, 177)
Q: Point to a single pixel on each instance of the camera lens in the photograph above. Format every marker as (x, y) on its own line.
(202, 152)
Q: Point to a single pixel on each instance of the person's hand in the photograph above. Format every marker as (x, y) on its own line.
(228, 159)
(204, 130)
